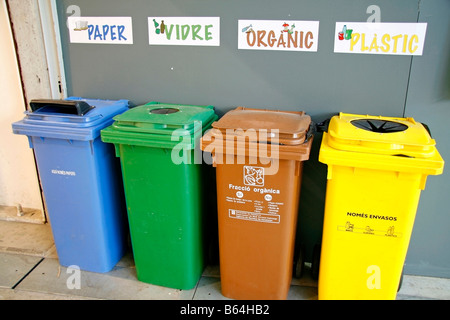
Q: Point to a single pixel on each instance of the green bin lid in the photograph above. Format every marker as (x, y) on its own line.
(160, 125)
(159, 118)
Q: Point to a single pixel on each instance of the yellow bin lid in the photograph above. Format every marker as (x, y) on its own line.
(380, 135)
(390, 141)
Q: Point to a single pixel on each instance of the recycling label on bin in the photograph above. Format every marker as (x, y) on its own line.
(370, 224)
(256, 200)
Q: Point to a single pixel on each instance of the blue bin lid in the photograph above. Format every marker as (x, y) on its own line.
(71, 119)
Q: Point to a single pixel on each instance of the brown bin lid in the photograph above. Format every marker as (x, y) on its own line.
(294, 142)
(291, 125)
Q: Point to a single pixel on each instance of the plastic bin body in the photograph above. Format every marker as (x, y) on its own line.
(257, 217)
(256, 236)
(164, 198)
(82, 185)
(371, 203)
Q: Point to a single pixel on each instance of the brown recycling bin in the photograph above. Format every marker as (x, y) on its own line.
(258, 155)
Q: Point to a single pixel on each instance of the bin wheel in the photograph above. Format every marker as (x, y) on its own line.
(299, 263)
(315, 262)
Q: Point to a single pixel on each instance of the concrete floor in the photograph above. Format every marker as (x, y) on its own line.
(29, 270)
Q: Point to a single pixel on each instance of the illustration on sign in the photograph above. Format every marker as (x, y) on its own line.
(278, 35)
(345, 33)
(380, 38)
(108, 30)
(184, 31)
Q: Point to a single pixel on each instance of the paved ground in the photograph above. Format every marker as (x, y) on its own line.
(29, 270)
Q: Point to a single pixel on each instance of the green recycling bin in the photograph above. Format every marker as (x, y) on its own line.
(158, 145)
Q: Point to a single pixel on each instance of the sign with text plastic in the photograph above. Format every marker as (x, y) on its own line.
(109, 30)
(184, 31)
(380, 38)
(280, 35)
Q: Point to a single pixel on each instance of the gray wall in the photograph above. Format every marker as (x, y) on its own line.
(428, 99)
(321, 83)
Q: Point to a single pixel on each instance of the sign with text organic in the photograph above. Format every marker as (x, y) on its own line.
(184, 31)
(281, 35)
(380, 38)
(109, 30)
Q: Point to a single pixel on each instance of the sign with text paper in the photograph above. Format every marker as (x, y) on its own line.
(108, 30)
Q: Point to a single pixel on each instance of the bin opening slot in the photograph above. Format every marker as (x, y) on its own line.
(403, 155)
(164, 111)
(79, 108)
(379, 126)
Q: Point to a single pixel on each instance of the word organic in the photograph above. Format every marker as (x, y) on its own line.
(278, 35)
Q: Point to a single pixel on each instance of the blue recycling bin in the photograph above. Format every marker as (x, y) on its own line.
(81, 179)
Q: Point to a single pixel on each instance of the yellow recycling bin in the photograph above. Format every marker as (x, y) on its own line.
(377, 167)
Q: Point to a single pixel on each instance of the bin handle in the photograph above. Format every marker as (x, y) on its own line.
(311, 131)
(323, 126)
(77, 107)
(427, 128)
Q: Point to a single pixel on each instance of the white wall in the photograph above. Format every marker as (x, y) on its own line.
(18, 177)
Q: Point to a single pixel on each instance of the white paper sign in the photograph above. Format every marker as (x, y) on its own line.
(184, 31)
(285, 35)
(380, 38)
(109, 30)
